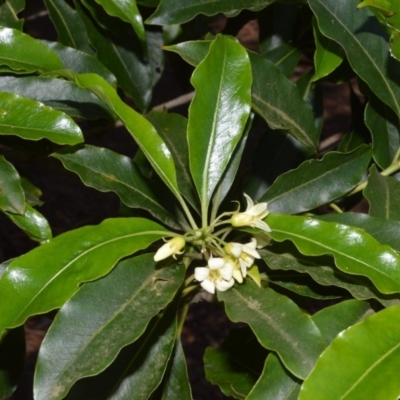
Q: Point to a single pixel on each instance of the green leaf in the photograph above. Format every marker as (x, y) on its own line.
(334, 319)
(9, 14)
(193, 52)
(12, 197)
(365, 43)
(328, 54)
(236, 365)
(33, 223)
(46, 277)
(142, 131)
(283, 256)
(32, 120)
(285, 57)
(278, 324)
(139, 291)
(367, 355)
(218, 113)
(317, 182)
(179, 11)
(21, 52)
(383, 230)
(32, 193)
(382, 193)
(80, 62)
(277, 100)
(71, 30)
(128, 12)
(108, 171)
(12, 356)
(172, 129)
(122, 53)
(275, 382)
(60, 94)
(354, 251)
(176, 381)
(384, 126)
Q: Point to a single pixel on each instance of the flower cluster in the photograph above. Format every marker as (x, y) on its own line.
(226, 262)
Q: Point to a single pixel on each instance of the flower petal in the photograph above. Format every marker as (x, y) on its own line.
(226, 272)
(216, 263)
(208, 286)
(237, 275)
(249, 201)
(201, 273)
(261, 225)
(223, 285)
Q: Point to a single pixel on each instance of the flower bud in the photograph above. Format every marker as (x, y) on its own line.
(171, 248)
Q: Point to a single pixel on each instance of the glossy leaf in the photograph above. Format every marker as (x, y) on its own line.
(176, 380)
(9, 14)
(32, 120)
(122, 54)
(71, 31)
(285, 57)
(218, 113)
(33, 223)
(80, 62)
(32, 192)
(365, 43)
(317, 182)
(172, 129)
(235, 366)
(385, 130)
(179, 11)
(139, 291)
(107, 171)
(336, 318)
(275, 382)
(21, 52)
(277, 100)
(193, 52)
(59, 94)
(127, 11)
(367, 354)
(278, 324)
(328, 54)
(383, 230)
(321, 269)
(46, 277)
(142, 131)
(382, 193)
(354, 251)
(12, 198)
(12, 356)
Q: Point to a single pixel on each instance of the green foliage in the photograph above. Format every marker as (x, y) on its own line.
(313, 286)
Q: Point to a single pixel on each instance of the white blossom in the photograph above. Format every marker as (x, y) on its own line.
(170, 248)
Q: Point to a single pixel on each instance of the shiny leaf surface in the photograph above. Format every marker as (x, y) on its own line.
(218, 113)
(32, 120)
(368, 354)
(12, 198)
(107, 171)
(142, 131)
(21, 52)
(328, 54)
(59, 94)
(9, 14)
(139, 291)
(382, 193)
(384, 127)
(354, 251)
(33, 223)
(71, 31)
(278, 324)
(127, 11)
(334, 319)
(365, 43)
(49, 275)
(317, 182)
(180, 11)
(275, 382)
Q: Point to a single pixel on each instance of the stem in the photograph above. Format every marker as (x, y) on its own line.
(204, 212)
(218, 233)
(396, 156)
(187, 212)
(189, 289)
(336, 208)
(182, 318)
(189, 280)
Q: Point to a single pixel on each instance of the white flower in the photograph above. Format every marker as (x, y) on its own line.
(171, 248)
(217, 274)
(245, 254)
(237, 273)
(252, 216)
